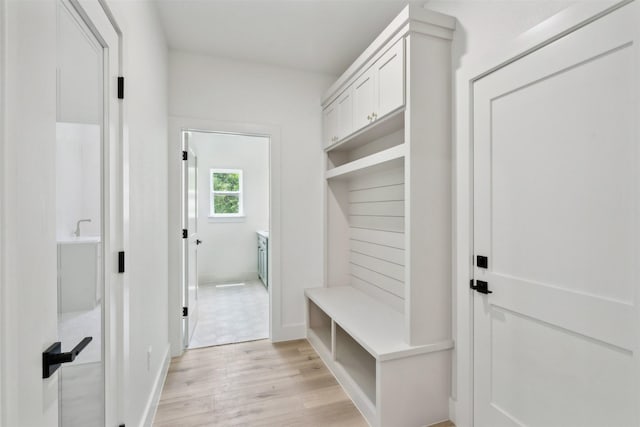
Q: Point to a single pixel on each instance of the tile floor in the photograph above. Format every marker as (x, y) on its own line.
(231, 313)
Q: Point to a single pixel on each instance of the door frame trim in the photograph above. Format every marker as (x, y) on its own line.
(97, 16)
(177, 125)
(548, 31)
(3, 301)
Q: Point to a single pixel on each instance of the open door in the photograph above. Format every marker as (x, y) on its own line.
(60, 342)
(190, 237)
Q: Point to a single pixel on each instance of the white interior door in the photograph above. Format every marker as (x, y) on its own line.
(41, 110)
(556, 212)
(191, 241)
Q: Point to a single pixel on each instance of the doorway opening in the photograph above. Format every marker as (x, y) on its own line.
(89, 197)
(226, 208)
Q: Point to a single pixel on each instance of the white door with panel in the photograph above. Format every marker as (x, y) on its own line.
(556, 213)
(191, 241)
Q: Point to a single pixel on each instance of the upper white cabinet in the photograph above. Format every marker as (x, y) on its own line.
(389, 75)
(345, 113)
(382, 320)
(364, 95)
(330, 124)
(338, 118)
(376, 93)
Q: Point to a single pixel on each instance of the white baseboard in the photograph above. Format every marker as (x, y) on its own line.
(289, 332)
(152, 404)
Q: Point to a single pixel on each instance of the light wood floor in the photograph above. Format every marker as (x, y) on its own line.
(254, 384)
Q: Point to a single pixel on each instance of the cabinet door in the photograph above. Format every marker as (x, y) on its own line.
(265, 262)
(390, 80)
(345, 113)
(363, 99)
(330, 124)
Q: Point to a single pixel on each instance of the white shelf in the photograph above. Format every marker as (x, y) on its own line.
(374, 325)
(362, 401)
(389, 158)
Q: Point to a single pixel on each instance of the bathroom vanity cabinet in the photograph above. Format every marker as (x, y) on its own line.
(79, 274)
(263, 257)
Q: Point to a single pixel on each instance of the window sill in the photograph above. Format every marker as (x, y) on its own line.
(238, 218)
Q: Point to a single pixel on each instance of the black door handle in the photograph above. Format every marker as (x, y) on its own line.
(53, 357)
(481, 286)
(198, 241)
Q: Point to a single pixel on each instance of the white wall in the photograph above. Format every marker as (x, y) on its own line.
(228, 251)
(145, 105)
(231, 91)
(484, 26)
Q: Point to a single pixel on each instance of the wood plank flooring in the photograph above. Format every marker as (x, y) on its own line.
(254, 384)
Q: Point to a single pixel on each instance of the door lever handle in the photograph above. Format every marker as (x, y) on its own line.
(481, 286)
(53, 357)
(198, 241)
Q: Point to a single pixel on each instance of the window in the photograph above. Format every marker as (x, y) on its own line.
(226, 193)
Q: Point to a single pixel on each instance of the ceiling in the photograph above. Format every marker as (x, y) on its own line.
(323, 36)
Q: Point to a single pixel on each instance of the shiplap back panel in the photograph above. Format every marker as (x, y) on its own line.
(376, 245)
(380, 144)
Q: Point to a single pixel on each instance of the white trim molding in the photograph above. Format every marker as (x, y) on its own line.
(176, 126)
(3, 310)
(559, 25)
(154, 398)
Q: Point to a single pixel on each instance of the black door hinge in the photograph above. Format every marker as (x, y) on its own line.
(120, 87)
(185, 155)
(480, 286)
(482, 261)
(185, 233)
(121, 262)
(185, 311)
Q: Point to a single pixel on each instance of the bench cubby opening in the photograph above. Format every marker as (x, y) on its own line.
(358, 363)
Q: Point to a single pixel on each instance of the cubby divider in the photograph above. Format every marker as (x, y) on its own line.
(320, 325)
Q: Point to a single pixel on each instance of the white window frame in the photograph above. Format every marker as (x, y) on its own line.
(213, 193)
